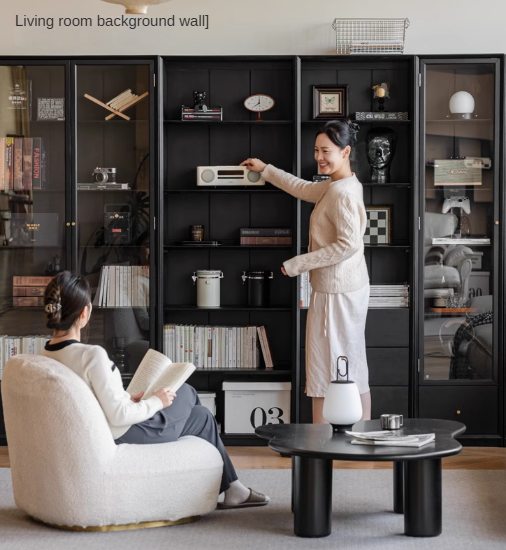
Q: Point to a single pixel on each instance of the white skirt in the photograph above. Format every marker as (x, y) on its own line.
(335, 327)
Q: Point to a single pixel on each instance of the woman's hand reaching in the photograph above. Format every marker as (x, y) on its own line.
(283, 270)
(166, 396)
(254, 164)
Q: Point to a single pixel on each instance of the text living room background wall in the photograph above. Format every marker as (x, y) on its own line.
(239, 27)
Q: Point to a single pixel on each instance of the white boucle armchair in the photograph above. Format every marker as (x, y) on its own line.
(68, 472)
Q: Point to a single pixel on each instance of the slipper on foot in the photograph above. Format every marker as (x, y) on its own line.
(254, 499)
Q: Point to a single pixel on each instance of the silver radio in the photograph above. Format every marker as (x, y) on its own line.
(227, 176)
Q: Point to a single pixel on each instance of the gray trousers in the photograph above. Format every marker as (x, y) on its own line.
(186, 416)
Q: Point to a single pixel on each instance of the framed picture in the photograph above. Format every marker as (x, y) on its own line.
(330, 101)
(379, 223)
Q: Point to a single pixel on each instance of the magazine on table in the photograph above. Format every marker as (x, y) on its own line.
(391, 438)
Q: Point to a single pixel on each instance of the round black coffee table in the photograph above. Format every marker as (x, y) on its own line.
(417, 471)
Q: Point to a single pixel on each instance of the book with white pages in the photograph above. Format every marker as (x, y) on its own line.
(157, 371)
(391, 438)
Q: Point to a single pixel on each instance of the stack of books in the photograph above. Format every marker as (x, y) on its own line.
(212, 113)
(28, 291)
(305, 290)
(377, 47)
(123, 286)
(213, 347)
(383, 296)
(265, 236)
(122, 99)
(391, 438)
(14, 345)
(22, 164)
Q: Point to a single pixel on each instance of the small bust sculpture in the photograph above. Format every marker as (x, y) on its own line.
(381, 144)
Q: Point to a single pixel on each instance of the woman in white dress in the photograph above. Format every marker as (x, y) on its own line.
(335, 261)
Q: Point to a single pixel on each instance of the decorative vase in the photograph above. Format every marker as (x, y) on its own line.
(342, 406)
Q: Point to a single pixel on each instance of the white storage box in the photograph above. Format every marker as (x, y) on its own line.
(479, 283)
(476, 259)
(249, 405)
(208, 400)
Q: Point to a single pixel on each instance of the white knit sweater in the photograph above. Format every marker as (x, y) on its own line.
(336, 248)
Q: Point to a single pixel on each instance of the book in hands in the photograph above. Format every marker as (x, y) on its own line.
(391, 438)
(157, 371)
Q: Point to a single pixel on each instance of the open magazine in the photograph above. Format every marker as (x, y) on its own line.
(157, 371)
(391, 438)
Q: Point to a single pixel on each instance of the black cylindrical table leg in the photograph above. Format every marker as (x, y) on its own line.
(294, 466)
(399, 487)
(312, 497)
(422, 498)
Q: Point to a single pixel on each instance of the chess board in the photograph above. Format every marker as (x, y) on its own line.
(377, 230)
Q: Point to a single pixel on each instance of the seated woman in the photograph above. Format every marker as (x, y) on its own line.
(162, 418)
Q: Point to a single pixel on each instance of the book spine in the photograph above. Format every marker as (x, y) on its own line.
(2, 344)
(27, 301)
(196, 347)
(209, 348)
(186, 343)
(262, 346)
(203, 347)
(267, 348)
(266, 241)
(36, 158)
(255, 350)
(215, 348)
(28, 290)
(2, 163)
(9, 163)
(191, 344)
(185, 116)
(18, 164)
(21, 280)
(265, 232)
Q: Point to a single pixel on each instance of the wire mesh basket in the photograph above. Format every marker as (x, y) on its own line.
(370, 36)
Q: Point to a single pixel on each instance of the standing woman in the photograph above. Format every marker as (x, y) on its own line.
(335, 261)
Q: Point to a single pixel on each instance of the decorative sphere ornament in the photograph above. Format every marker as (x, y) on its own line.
(461, 105)
(136, 7)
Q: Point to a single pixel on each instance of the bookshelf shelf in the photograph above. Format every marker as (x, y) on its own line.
(213, 190)
(235, 122)
(224, 308)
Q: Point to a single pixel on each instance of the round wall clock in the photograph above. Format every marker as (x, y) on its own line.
(259, 103)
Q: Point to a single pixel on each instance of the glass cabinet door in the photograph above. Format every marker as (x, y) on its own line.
(32, 198)
(113, 138)
(460, 129)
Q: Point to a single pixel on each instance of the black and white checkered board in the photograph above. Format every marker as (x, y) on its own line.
(376, 231)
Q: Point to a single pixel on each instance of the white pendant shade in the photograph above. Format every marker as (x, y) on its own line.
(462, 103)
(136, 7)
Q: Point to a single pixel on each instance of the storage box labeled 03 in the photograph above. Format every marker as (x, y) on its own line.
(249, 405)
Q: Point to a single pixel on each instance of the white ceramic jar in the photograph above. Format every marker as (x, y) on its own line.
(208, 287)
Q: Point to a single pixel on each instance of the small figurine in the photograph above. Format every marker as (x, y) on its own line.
(199, 105)
(381, 92)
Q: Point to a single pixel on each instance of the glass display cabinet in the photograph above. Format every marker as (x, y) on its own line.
(113, 175)
(34, 205)
(460, 170)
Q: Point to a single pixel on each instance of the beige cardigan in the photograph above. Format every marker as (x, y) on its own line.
(336, 229)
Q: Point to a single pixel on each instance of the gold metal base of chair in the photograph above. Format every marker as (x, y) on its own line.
(124, 527)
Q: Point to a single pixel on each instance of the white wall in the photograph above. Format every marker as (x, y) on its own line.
(254, 27)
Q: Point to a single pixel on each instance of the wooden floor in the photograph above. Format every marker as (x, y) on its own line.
(245, 458)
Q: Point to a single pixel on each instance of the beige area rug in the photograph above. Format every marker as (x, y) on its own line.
(474, 517)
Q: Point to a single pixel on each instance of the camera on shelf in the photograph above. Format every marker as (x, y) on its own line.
(102, 175)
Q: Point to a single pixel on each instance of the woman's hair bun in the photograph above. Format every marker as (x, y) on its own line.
(341, 132)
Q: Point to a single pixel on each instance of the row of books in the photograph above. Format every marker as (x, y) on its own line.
(383, 296)
(376, 46)
(212, 113)
(277, 236)
(305, 290)
(28, 291)
(22, 164)
(214, 347)
(123, 286)
(122, 99)
(14, 345)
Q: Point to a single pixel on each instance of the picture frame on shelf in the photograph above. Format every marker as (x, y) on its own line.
(379, 225)
(330, 101)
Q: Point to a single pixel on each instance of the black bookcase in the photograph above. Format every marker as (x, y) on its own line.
(285, 139)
